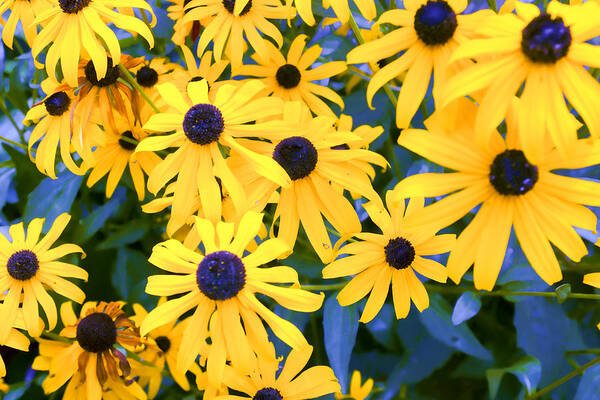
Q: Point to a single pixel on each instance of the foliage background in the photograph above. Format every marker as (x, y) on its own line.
(465, 346)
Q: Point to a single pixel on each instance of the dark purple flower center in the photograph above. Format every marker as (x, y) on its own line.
(57, 104)
(435, 22)
(288, 76)
(511, 173)
(96, 332)
(230, 4)
(146, 76)
(546, 40)
(73, 6)
(297, 155)
(22, 265)
(112, 74)
(268, 393)
(203, 124)
(399, 253)
(221, 275)
(124, 143)
(163, 343)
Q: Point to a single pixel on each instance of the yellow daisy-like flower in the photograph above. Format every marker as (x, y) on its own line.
(15, 340)
(341, 9)
(390, 257)
(91, 363)
(166, 341)
(290, 79)
(118, 153)
(264, 383)
(52, 118)
(182, 29)
(31, 266)
(204, 70)
(515, 192)
(73, 27)
(24, 11)
(546, 52)
(221, 286)
(151, 74)
(358, 390)
(202, 126)
(314, 156)
(231, 20)
(429, 30)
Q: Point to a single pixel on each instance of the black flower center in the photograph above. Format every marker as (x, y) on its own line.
(546, 40)
(22, 265)
(343, 146)
(512, 174)
(57, 104)
(230, 4)
(97, 332)
(146, 76)
(163, 343)
(112, 74)
(399, 253)
(203, 124)
(125, 144)
(73, 6)
(297, 156)
(268, 393)
(221, 275)
(288, 76)
(435, 22)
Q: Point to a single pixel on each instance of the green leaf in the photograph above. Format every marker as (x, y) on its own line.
(466, 307)
(130, 233)
(340, 325)
(527, 370)
(27, 177)
(96, 219)
(563, 292)
(438, 322)
(131, 272)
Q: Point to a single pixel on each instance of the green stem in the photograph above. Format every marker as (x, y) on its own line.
(331, 287)
(24, 147)
(492, 5)
(391, 154)
(564, 379)
(585, 351)
(57, 337)
(36, 78)
(361, 40)
(4, 109)
(129, 78)
(459, 290)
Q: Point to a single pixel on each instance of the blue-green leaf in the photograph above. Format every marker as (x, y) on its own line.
(589, 386)
(527, 370)
(466, 307)
(340, 325)
(96, 219)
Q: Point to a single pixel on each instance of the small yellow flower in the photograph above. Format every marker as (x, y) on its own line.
(358, 391)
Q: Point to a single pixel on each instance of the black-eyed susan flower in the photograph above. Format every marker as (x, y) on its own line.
(291, 79)
(391, 257)
(201, 126)
(151, 73)
(429, 30)
(163, 349)
(358, 390)
(73, 28)
(181, 29)
(267, 383)
(513, 192)
(31, 267)
(221, 285)
(545, 53)
(24, 11)
(206, 69)
(231, 20)
(318, 171)
(341, 8)
(52, 118)
(88, 357)
(118, 152)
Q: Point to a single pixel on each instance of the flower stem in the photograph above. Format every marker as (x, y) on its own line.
(459, 290)
(331, 287)
(129, 78)
(361, 40)
(564, 379)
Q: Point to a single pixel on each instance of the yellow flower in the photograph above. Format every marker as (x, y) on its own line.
(76, 27)
(166, 341)
(308, 153)
(204, 70)
(429, 30)
(202, 127)
(232, 20)
(390, 257)
(290, 384)
(358, 391)
(151, 74)
(88, 358)
(290, 79)
(548, 54)
(117, 153)
(52, 118)
(515, 192)
(221, 286)
(24, 11)
(15, 340)
(340, 8)
(182, 29)
(31, 267)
